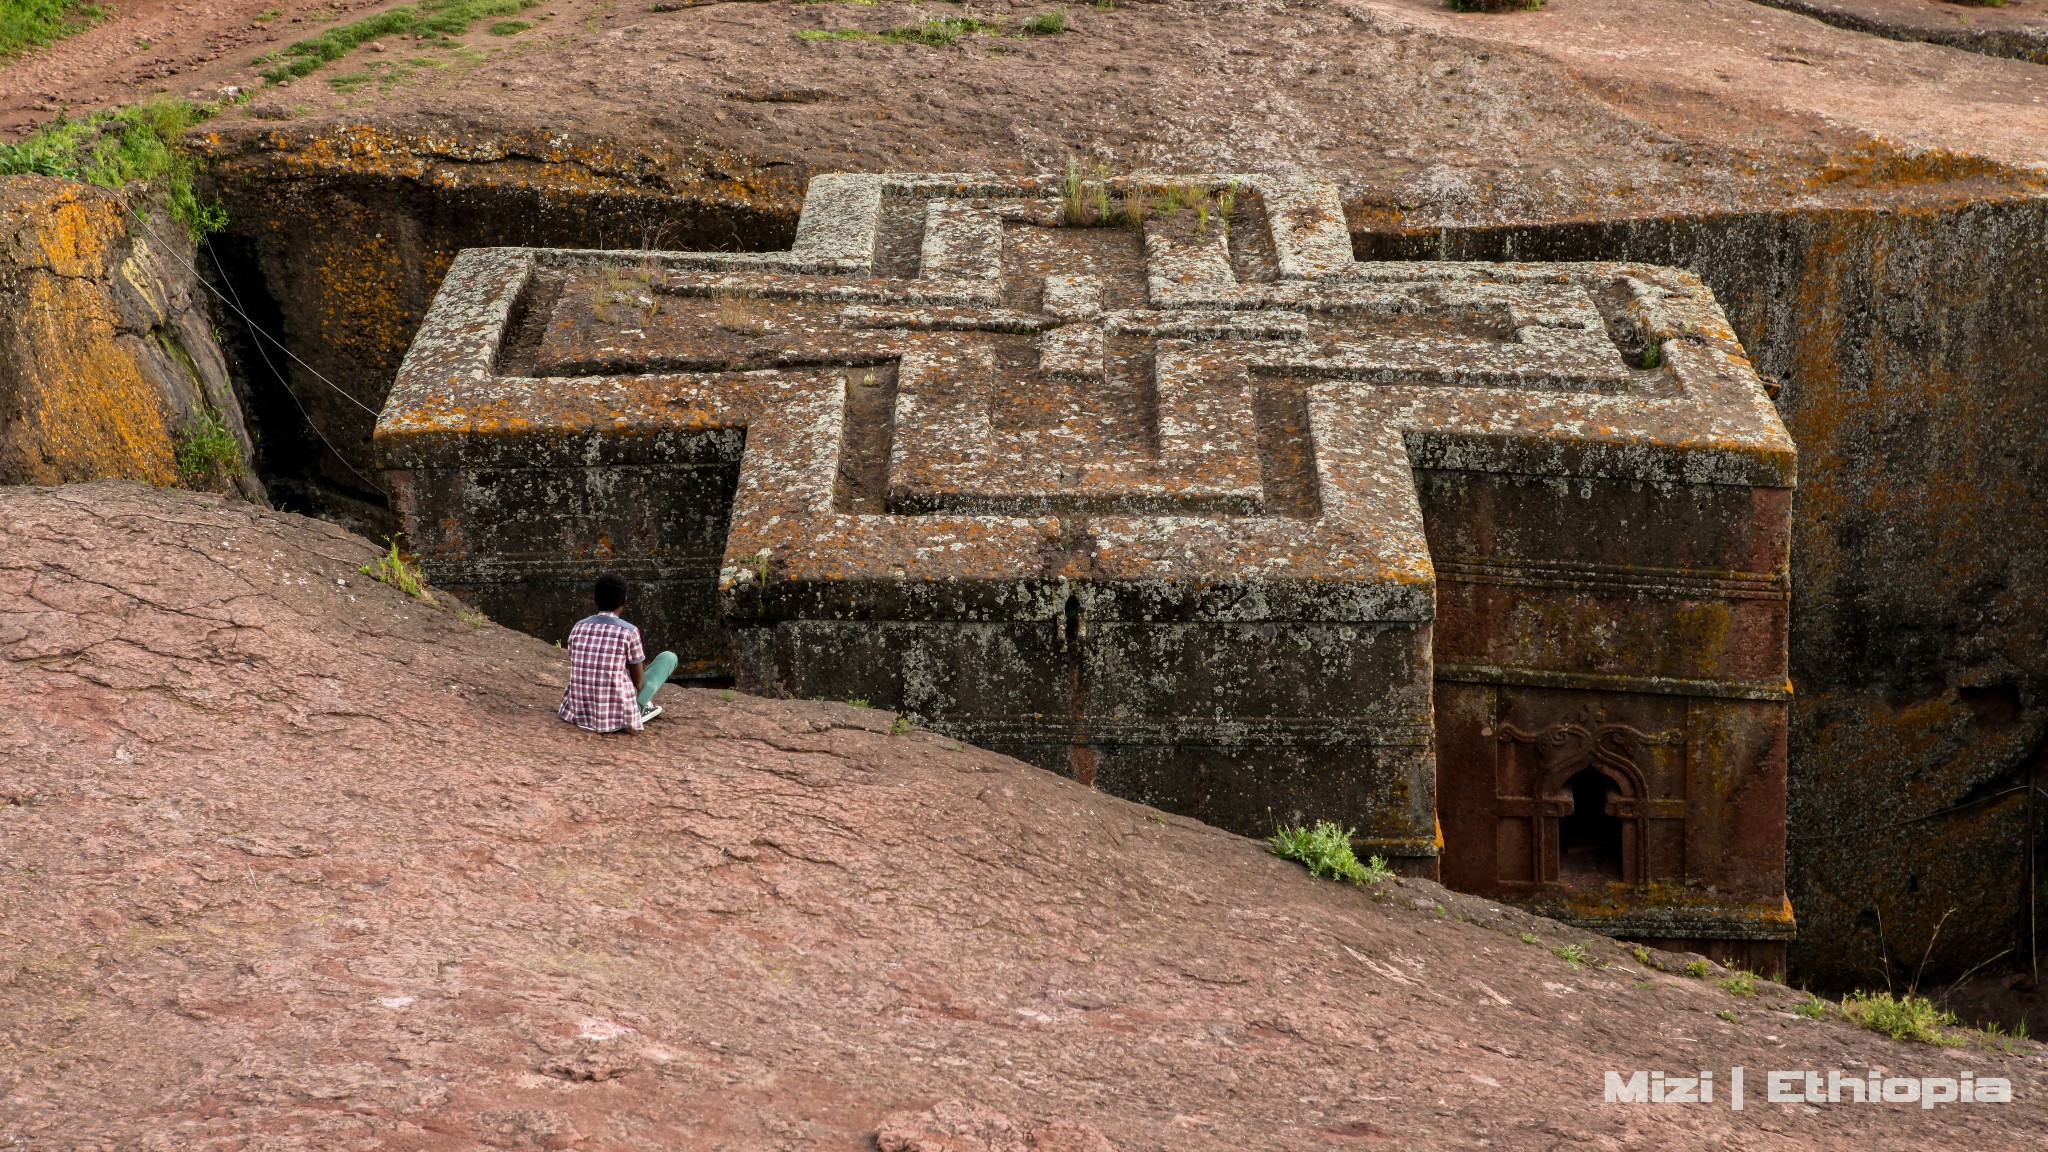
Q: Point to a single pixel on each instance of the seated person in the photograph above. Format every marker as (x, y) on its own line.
(608, 690)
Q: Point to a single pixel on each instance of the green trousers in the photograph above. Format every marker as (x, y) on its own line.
(654, 676)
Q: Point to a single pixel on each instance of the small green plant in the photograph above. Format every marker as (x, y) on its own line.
(859, 702)
(1728, 1014)
(1739, 983)
(1572, 954)
(395, 570)
(1641, 954)
(1907, 1017)
(1529, 938)
(1325, 850)
(1993, 1035)
(1653, 354)
(1493, 5)
(471, 617)
(509, 27)
(1814, 1008)
(208, 451)
(901, 726)
(728, 694)
(834, 34)
(267, 15)
(1699, 969)
(1047, 23)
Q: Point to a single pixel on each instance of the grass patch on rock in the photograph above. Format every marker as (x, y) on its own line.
(939, 31)
(1907, 1017)
(136, 144)
(428, 19)
(26, 25)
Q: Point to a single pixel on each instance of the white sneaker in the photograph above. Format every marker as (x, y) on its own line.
(650, 714)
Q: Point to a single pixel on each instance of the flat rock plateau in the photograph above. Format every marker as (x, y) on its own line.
(289, 860)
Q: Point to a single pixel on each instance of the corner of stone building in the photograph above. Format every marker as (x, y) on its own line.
(108, 359)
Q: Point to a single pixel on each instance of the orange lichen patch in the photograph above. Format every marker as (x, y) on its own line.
(78, 403)
(1880, 163)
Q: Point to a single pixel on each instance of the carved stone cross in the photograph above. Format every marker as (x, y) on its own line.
(1178, 498)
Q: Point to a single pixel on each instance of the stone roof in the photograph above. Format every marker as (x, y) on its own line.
(1263, 471)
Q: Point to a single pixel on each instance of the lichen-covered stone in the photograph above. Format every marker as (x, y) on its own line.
(106, 353)
(1196, 508)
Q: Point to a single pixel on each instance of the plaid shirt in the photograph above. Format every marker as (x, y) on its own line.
(600, 695)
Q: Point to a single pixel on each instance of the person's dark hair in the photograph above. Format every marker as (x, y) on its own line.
(610, 592)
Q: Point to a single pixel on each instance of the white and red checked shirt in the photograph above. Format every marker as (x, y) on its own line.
(600, 695)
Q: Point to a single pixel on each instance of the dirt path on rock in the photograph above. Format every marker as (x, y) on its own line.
(290, 861)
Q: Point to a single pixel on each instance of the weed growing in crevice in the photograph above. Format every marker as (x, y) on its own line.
(402, 574)
(509, 27)
(1493, 5)
(1699, 969)
(1739, 983)
(207, 452)
(1574, 955)
(1325, 850)
(1814, 1008)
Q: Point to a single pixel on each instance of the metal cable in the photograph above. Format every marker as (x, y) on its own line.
(260, 335)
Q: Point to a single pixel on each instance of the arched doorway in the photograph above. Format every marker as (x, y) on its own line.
(1591, 840)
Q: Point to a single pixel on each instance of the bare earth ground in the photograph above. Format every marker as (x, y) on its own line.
(290, 861)
(1588, 107)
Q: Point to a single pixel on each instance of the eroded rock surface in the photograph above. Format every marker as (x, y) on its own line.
(288, 860)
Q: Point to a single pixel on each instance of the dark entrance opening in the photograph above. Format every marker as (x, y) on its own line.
(1589, 840)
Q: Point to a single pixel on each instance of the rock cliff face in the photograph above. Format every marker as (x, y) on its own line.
(108, 365)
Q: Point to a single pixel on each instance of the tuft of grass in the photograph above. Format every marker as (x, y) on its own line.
(26, 25)
(1699, 969)
(1814, 1008)
(901, 726)
(1529, 938)
(1573, 954)
(509, 27)
(1641, 954)
(1047, 23)
(136, 144)
(427, 19)
(1653, 355)
(860, 702)
(207, 451)
(1326, 851)
(268, 14)
(938, 32)
(1907, 1017)
(834, 34)
(1493, 5)
(1739, 983)
(395, 570)
(1728, 1014)
(471, 617)
(1993, 1035)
